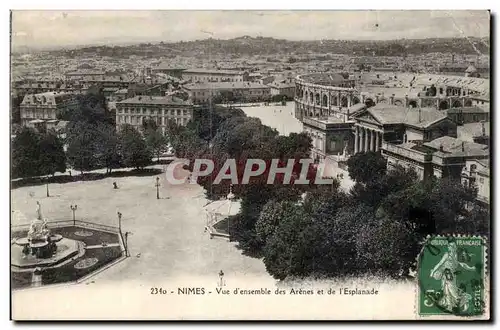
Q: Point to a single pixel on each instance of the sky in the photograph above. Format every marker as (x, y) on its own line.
(47, 29)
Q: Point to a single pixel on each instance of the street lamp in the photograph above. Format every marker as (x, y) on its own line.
(157, 188)
(47, 184)
(73, 208)
(119, 221)
(127, 254)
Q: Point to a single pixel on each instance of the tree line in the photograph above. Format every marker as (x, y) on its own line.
(323, 231)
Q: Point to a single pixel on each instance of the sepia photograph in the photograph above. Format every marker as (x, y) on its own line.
(222, 165)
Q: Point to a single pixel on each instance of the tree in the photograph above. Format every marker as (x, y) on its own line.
(375, 191)
(282, 253)
(366, 166)
(156, 141)
(108, 147)
(25, 153)
(270, 216)
(82, 139)
(387, 247)
(135, 152)
(149, 124)
(52, 156)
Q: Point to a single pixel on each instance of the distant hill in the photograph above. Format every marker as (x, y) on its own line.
(270, 46)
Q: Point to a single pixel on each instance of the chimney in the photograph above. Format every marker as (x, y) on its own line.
(406, 100)
(391, 99)
(362, 98)
(376, 98)
(483, 128)
(463, 146)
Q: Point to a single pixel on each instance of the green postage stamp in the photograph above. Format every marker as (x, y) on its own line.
(451, 274)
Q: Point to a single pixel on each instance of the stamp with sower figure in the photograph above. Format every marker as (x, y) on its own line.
(451, 276)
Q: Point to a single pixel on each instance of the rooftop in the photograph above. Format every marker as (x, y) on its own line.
(214, 71)
(468, 110)
(392, 114)
(469, 131)
(225, 85)
(328, 79)
(142, 99)
(453, 145)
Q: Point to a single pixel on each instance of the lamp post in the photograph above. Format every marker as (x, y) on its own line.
(127, 254)
(157, 188)
(230, 197)
(47, 185)
(74, 208)
(119, 221)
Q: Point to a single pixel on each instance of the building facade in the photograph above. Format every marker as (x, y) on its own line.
(329, 137)
(320, 94)
(162, 110)
(238, 91)
(444, 157)
(476, 173)
(45, 106)
(388, 123)
(207, 75)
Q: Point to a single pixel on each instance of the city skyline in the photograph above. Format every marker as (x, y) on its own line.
(55, 29)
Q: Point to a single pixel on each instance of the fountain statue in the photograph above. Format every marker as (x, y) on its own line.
(39, 241)
(39, 231)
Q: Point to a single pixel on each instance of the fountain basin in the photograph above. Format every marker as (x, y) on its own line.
(66, 250)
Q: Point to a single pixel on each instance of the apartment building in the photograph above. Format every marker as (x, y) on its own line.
(162, 109)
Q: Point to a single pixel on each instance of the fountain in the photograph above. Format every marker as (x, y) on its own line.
(44, 253)
(41, 248)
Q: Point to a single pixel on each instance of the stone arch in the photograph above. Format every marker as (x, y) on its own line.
(413, 104)
(398, 102)
(443, 105)
(325, 100)
(355, 100)
(344, 102)
(369, 102)
(311, 98)
(317, 98)
(456, 104)
(468, 103)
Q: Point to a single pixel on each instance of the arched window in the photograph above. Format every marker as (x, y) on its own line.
(334, 101)
(413, 104)
(457, 104)
(355, 100)
(443, 105)
(311, 100)
(325, 101)
(344, 101)
(468, 103)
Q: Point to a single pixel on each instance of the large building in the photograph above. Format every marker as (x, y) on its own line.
(444, 157)
(36, 108)
(161, 109)
(389, 123)
(85, 74)
(283, 87)
(238, 91)
(476, 173)
(321, 94)
(213, 75)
